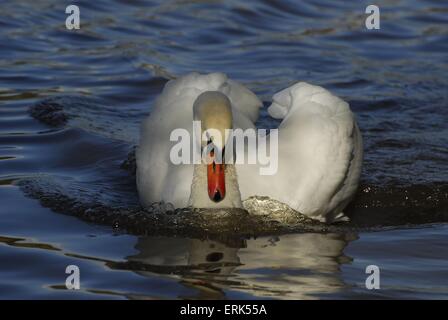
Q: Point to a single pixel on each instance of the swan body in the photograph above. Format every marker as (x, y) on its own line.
(319, 147)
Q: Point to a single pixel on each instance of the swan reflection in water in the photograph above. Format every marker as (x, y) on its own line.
(294, 266)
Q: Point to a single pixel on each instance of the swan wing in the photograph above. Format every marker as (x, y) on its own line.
(319, 153)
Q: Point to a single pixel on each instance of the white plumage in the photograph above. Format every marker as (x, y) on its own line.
(319, 150)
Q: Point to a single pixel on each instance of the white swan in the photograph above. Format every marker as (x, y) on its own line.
(319, 148)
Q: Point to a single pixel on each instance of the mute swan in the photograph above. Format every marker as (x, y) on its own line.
(319, 148)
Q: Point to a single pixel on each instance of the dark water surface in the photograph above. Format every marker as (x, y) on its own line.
(71, 103)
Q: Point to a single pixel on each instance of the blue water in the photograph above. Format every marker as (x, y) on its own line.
(105, 77)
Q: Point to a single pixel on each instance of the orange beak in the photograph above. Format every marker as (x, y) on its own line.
(216, 181)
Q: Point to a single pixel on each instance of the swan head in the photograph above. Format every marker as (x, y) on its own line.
(213, 110)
